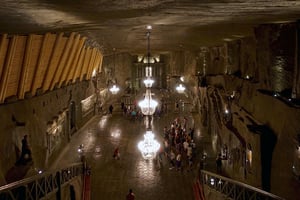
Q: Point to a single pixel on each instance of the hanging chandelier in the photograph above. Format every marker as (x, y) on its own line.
(148, 82)
(180, 88)
(148, 105)
(114, 89)
(149, 146)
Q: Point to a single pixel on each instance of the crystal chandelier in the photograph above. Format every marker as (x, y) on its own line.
(149, 146)
(114, 89)
(180, 88)
(148, 105)
(148, 82)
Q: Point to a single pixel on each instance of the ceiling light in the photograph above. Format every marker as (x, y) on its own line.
(114, 89)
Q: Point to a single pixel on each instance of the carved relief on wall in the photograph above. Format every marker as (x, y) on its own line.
(87, 105)
(55, 131)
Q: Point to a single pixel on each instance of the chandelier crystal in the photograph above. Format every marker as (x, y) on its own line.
(149, 146)
(148, 105)
(148, 82)
(180, 88)
(114, 89)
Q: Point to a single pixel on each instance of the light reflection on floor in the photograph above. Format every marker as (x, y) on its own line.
(146, 171)
(97, 153)
(115, 133)
(89, 140)
(112, 178)
(103, 122)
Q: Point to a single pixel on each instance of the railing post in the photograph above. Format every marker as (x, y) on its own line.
(58, 182)
(86, 181)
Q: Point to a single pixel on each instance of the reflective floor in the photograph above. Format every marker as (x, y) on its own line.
(111, 179)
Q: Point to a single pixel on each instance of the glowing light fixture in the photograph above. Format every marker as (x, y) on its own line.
(180, 88)
(226, 111)
(148, 82)
(148, 105)
(212, 181)
(149, 146)
(148, 27)
(140, 58)
(114, 89)
(148, 71)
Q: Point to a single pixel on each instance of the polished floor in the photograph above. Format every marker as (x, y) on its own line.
(111, 179)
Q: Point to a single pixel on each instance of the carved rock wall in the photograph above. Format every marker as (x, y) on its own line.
(255, 83)
(32, 116)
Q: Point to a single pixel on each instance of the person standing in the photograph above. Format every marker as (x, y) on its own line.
(130, 195)
(172, 159)
(219, 163)
(26, 152)
(116, 154)
(178, 162)
(111, 109)
(191, 133)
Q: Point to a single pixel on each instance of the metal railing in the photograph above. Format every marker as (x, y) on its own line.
(233, 189)
(42, 185)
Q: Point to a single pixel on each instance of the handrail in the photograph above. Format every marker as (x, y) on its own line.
(42, 185)
(234, 189)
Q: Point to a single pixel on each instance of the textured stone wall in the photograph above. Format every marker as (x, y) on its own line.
(31, 117)
(276, 56)
(216, 60)
(121, 64)
(260, 130)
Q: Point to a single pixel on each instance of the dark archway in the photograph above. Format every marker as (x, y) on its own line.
(268, 141)
(72, 193)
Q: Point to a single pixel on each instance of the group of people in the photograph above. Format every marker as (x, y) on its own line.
(132, 112)
(179, 145)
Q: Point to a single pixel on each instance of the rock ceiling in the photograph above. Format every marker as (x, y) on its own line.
(121, 24)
